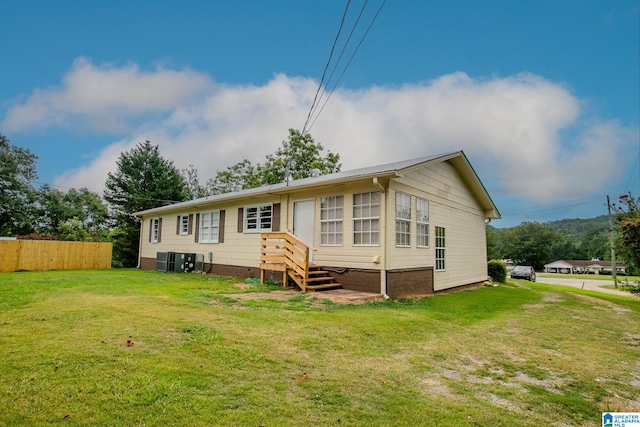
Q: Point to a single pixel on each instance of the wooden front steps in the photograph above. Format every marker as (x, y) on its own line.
(320, 280)
(285, 252)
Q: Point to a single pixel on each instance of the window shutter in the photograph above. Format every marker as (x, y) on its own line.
(159, 230)
(221, 227)
(150, 229)
(197, 233)
(275, 217)
(178, 224)
(190, 228)
(240, 220)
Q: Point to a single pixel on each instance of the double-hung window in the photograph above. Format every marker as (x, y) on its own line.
(155, 230)
(422, 223)
(440, 249)
(331, 212)
(209, 227)
(258, 218)
(403, 220)
(184, 224)
(366, 219)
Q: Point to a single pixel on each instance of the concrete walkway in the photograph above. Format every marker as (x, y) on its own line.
(588, 284)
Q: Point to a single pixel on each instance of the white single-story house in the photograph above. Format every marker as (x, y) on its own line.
(583, 266)
(406, 228)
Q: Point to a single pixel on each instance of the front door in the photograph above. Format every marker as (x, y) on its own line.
(303, 216)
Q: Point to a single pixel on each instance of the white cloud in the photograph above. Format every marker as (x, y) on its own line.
(105, 98)
(525, 135)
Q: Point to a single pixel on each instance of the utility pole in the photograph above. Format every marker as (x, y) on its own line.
(613, 245)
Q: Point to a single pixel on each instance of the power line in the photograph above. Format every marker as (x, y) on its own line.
(348, 63)
(320, 91)
(344, 48)
(326, 67)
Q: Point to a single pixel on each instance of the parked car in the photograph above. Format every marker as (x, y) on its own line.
(523, 272)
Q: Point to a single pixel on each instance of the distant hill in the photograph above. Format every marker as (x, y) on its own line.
(577, 228)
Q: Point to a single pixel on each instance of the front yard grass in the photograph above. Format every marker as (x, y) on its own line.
(128, 347)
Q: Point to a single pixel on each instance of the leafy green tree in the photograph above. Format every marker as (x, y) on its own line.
(530, 243)
(194, 189)
(628, 227)
(595, 244)
(241, 176)
(297, 157)
(143, 180)
(494, 243)
(54, 210)
(17, 171)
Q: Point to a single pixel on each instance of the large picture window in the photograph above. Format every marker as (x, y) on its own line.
(440, 249)
(422, 223)
(331, 212)
(209, 227)
(258, 218)
(366, 219)
(403, 220)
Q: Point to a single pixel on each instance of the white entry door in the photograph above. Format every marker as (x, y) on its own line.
(303, 216)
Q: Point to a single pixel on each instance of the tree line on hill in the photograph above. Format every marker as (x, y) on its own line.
(537, 244)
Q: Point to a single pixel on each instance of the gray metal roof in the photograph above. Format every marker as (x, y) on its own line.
(388, 169)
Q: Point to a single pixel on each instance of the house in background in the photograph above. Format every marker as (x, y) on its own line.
(580, 266)
(400, 229)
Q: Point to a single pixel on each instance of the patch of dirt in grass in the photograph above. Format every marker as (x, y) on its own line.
(548, 384)
(632, 339)
(600, 302)
(436, 387)
(277, 295)
(499, 401)
(548, 298)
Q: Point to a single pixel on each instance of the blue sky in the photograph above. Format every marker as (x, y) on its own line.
(542, 96)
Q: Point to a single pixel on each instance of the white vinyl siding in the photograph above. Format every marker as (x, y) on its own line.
(422, 223)
(440, 249)
(331, 217)
(258, 218)
(209, 227)
(403, 220)
(155, 230)
(366, 219)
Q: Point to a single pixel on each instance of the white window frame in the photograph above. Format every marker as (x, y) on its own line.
(209, 231)
(331, 220)
(422, 223)
(441, 251)
(260, 214)
(155, 229)
(184, 224)
(366, 219)
(403, 220)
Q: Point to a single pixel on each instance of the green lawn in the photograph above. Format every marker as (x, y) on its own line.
(127, 347)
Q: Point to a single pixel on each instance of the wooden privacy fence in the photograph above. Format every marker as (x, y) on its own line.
(41, 255)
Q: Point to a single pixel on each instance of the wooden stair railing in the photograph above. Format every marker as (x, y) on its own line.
(283, 251)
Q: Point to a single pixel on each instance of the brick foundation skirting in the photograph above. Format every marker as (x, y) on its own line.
(410, 282)
(400, 283)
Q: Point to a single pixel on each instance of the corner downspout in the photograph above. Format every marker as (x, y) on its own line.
(383, 237)
(140, 243)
